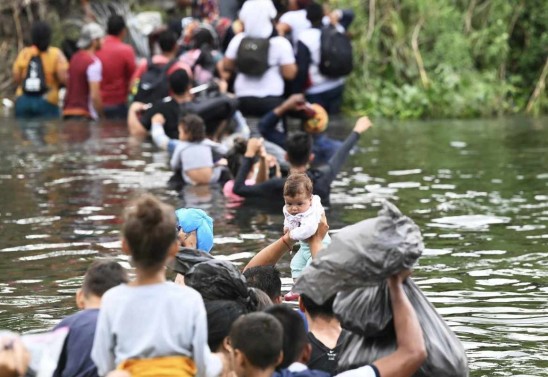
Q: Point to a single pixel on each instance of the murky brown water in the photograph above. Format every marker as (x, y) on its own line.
(478, 189)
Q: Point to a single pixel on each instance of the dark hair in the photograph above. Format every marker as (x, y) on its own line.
(314, 14)
(315, 310)
(263, 301)
(295, 338)
(115, 24)
(167, 40)
(299, 148)
(202, 37)
(149, 229)
(194, 127)
(259, 336)
(178, 81)
(220, 280)
(41, 35)
(266, 278)
(235, 155)
(221, 314)
(101, 276)
(297, 183)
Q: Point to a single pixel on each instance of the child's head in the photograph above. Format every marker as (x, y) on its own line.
(149, 232)
(295, 341)
(247, 339)
(99, 278)
(298, 193)
(192, 128)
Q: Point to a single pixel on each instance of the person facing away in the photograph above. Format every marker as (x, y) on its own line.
(302, 214)
(256, 344)
(83, 96)
(267, 279)
(75, 359)
(39, 98)
(325, 334)
(118, 59)
(150, 324)
(193, 153)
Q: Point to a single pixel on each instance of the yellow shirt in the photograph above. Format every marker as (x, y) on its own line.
(52, 60)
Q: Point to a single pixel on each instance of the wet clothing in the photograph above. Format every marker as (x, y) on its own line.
(321, 176)
(171, 111)
(151, 321)
(118, 61)
(31, 106)
(196, 155)
(75, 359)
(84, 68)
(303, 257)
(322, 357)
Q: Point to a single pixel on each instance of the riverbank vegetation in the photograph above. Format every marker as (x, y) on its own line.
(415, 59)
(448, 59)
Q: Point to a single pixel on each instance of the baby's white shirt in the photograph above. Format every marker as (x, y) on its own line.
(303, 225)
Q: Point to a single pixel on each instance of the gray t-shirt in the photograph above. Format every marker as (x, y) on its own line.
(150, 321)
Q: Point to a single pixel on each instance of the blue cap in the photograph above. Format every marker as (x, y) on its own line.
(193, 219)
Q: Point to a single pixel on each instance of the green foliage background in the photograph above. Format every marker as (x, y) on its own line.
(481, 57)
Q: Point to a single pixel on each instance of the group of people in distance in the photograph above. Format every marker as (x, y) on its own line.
(213, 319)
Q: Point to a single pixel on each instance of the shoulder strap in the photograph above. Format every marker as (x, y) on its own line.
(168, 65)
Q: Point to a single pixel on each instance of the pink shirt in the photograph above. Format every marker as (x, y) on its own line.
(160, 59)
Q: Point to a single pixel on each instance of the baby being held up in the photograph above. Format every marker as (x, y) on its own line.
(302, 212)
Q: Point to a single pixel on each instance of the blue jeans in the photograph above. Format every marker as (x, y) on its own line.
(35, 107)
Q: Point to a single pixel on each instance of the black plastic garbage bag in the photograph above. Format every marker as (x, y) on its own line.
(186, 258)
(355, 267)
(363, 253)
(221, 280)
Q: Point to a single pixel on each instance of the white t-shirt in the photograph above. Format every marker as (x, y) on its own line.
(94, 73)
(319, 83)
(298, 22)
(365, 371)
(257, 16)
(150, 321)
(271, 83)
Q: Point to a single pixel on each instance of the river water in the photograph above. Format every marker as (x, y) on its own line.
(478, 190)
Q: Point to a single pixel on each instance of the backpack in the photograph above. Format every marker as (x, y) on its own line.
(154, 84)
(202, 63)
(252, 56)
(35, 81)
(335, 53)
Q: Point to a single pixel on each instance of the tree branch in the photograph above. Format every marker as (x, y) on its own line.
(541, 84)
(371, 26)
(417, 53)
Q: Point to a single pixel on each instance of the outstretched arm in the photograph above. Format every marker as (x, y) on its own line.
(271, 254)
(411, 351)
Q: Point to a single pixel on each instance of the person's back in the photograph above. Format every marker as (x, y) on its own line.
(77, 102)
(150, 324)
(75, 360)
(54, 67)
(118, 60)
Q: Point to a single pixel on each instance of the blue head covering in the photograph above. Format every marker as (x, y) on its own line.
(192, 219)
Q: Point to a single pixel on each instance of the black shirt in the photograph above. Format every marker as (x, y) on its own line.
(170, 109)
(321, 177)
(322, 357)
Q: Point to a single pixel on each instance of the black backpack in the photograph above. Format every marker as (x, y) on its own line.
(335, 53)
(35, 81)
(252, 57)
(154, 83)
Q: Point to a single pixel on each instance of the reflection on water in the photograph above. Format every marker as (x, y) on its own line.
(478, 189)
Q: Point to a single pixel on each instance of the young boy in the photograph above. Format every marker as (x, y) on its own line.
(75, 358)
(302, 212)
(254, 356)
(193, 153)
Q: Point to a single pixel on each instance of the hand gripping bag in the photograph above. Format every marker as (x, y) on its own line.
(355, 267)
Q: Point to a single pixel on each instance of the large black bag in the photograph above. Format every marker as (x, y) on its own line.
(354, 268)
(252, 56)
(154, 83)
(336, 57)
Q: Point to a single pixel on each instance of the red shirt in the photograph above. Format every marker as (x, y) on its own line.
(77, 99)
(118, 61)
